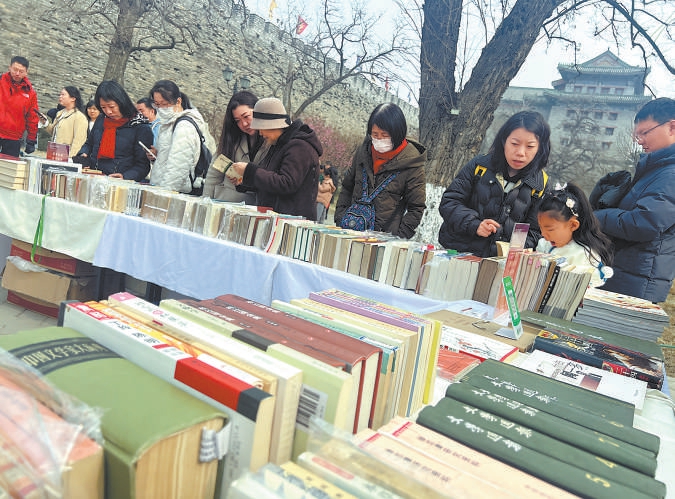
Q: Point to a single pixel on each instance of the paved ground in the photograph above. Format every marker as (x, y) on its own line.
(14, 318)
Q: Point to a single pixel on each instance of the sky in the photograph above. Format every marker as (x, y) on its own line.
(540, 68)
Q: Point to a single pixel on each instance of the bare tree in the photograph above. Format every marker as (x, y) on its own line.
(453, 117)
(146, 25)
(344, 47)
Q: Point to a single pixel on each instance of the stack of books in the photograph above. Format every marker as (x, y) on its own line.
(562, 434)
(621, 313)
(13, 173)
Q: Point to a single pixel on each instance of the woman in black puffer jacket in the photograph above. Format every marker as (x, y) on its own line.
(493, 192)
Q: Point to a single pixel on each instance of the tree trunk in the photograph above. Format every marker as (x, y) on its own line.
(122, 43)
(452, 127)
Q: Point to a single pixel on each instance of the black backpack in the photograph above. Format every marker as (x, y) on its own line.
(202, 166)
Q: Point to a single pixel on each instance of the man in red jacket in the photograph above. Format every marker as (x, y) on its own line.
(18, 109)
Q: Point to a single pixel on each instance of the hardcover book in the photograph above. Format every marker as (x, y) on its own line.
(577, 436)
(250, 410)
(429, 333)
(400, 392)
(289, 379)
(335, 341)
(155, 457)
(393, 353)
(617, 412)
(526, 449)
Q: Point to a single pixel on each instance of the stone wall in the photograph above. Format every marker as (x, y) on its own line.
(75, 53)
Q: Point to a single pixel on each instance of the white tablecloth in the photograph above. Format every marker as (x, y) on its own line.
(202, 267)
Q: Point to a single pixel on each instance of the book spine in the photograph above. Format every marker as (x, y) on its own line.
(548, 404)
(467, 425)
(571, 434)
(549, 289)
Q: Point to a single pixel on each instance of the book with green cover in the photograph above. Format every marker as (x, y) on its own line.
(151, 429)
(516, 385)
(534, 453)
(646, 347)
(615, 411)
(597, 443)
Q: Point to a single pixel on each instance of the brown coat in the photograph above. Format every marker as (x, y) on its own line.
(399, 207)
(326, 190)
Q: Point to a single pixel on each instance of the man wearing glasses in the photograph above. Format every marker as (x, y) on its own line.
(18, 109)
(642, 227)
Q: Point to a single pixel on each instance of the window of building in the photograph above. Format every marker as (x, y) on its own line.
(564, 141)
(618, 91)
(606, 146)
(584, 114)
(571, 113)
(590, 90)
(577, 89)
(597, 115)
(604, 90)
(613, 116)
(609, 131)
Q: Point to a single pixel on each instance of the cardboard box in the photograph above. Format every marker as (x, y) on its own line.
(48, 286)
(29, 303)
(52, 260)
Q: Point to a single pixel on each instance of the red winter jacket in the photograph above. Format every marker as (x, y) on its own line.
(18, 109)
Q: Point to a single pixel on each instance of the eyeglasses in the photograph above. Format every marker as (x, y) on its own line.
(640, 137)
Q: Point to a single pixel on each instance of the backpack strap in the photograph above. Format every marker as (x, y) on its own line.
(364, 193)
(480, 171)
(536, 193)
(194, 123)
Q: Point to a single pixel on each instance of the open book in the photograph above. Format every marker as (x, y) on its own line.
(224, 165)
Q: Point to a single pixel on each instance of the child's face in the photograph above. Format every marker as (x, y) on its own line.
(557, 232)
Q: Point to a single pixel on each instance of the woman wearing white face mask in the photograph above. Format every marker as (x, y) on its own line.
(386, 157)
(178, 144)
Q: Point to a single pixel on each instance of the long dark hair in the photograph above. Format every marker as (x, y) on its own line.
(571, 201)
(170, 92)
(532, 121)
(231, 134)
(75, 93)
(111, 90)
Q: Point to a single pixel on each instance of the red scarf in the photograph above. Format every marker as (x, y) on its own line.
(380, 158)
(106, 148)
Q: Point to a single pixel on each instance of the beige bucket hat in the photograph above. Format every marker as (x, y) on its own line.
(269, 113)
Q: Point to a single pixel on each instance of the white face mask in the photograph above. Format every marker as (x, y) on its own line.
(382, 145)
(165, 114)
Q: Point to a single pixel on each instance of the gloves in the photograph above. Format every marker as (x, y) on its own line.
(30, 147)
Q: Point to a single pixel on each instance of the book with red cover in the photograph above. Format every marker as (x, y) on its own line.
(312, 329)
(263, 331)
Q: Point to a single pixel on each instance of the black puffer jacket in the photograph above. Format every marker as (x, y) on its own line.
(130, 158)
(472, 197)
(287, 178)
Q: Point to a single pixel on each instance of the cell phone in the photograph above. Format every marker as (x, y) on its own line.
(147, 149)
